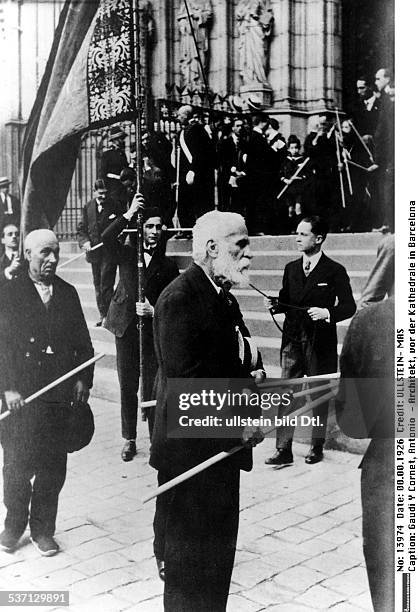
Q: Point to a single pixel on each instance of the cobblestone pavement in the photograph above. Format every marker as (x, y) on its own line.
(299, 545)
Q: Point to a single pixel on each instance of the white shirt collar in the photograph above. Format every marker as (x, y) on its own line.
(313, 259)
(9, 253)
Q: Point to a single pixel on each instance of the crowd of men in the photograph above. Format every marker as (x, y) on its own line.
(192, 324)
(342, 170)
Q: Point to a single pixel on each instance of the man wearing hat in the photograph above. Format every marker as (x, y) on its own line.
(97, 214)
(122, 317)
(113, 162)
(9, 205)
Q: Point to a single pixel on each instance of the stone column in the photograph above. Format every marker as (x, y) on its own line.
(306, 59)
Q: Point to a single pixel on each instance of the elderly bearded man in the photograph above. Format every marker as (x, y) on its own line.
(43, 335)
(196, 327)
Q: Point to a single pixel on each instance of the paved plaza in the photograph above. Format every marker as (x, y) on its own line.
(299, 545)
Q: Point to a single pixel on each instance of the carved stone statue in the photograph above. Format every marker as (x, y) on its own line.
(201, 14)
(255, 24)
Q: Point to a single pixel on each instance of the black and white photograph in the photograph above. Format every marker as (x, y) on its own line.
(207, 389)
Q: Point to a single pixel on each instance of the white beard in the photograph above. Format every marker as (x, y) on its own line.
(230, 270)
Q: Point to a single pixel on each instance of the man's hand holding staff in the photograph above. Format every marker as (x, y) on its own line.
(15, 401)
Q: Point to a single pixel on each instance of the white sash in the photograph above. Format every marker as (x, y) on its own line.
(185, 148)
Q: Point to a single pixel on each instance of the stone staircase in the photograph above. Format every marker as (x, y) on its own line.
(357, 252)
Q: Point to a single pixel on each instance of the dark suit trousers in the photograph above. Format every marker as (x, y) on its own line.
(104, 272)
(377, 499)
(297, 360)
(200, 540)
(127, 361)
(40, 452)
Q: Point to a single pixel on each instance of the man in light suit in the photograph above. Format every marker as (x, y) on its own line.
(9, 204)
(311, 286)
(122, 317)
(97, 215)
(10, 265)
(196, 336)
(43, 335)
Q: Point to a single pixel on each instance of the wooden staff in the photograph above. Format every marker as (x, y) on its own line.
(153, 403)
(337, 146)
(356, 165)
(366, 148)
(65, 263)
(293, 178)
(56, 382)
(347, 169)
(224, 454)
(140, 73)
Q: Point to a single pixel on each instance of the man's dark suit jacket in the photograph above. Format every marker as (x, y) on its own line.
(327, 283)
(203, 155)
(27, 329)
(4, 263)
(92, 224)
(366, 409)
(194, 337)
(263, 163)
(160, 272)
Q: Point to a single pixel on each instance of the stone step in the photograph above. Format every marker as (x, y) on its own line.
(270, 280)
(366, 240)
(276, 260)
(269, 347)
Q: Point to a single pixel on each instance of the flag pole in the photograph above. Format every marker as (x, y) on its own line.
(139, 85)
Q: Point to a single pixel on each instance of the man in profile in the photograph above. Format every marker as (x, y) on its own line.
(196, 330)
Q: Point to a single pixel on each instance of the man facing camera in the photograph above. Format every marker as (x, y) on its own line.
(98, 213)
(10, 264)
(122, 319)
(43, 335)
(316, 294)
(197, 327)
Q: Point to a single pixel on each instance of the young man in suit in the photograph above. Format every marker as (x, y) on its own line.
(43, 335)
(311, 286)
(230, 153)
(196, 326)
(122, 316)
(10, 265)
(97, 214)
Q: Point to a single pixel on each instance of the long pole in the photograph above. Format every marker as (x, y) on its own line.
(344, 153)
(139, 85)
(57, 382)
(366, 148)
(337, 146)
(224, 454)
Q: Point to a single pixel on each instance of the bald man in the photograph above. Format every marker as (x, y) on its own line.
(43, 334)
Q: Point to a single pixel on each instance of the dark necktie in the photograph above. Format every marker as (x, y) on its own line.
(307, 267)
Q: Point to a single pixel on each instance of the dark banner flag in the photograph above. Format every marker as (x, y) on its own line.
(87, 83)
